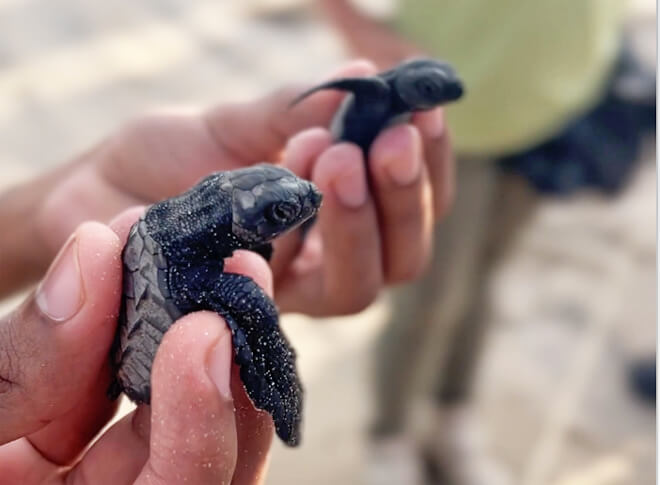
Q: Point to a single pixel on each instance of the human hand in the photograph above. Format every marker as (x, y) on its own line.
(54, 373)
(375, 225)
(147, 160)
(162, 155)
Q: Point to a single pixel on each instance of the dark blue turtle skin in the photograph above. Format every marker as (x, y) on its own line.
(373, 103)
(173, 265)
(376, 102)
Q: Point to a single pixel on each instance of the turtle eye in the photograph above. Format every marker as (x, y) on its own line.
(427, 89)
(281, 212)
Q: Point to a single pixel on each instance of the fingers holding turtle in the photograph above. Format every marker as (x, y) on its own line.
(400, 179)
(374, 227)
(403, 192)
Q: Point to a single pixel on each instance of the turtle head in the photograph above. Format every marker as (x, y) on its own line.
(425, 83)
(268, 201)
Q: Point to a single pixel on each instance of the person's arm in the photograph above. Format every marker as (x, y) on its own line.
(148, 159)
(367, 37)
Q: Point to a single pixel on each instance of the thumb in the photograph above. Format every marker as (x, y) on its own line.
(259, 130)
(193, 427)
(53, 348)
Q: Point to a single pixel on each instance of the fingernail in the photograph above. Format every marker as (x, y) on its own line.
(404, 171)
(403, 158)
(402, 163)
(219, 366)
(60, 294)
(351, 188)
(432, 123)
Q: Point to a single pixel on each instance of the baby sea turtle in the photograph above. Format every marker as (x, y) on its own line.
(376, 102)
(173, 265)
(390, 97)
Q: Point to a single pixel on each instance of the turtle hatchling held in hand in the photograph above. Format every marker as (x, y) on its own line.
(376, 102)
(173, 265)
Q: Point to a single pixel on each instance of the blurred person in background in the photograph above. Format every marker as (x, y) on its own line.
(553, 104)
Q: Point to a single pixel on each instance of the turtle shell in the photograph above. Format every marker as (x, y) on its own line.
(147, 312)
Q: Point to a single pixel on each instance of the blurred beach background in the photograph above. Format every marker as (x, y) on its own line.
(573, 304)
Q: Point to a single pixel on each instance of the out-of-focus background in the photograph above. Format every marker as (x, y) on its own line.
(573, 303)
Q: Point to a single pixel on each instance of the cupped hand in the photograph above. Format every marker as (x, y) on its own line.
(54, 372)
(375, 225)
(163, 154)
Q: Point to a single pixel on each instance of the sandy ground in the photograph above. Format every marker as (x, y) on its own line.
(569, 311)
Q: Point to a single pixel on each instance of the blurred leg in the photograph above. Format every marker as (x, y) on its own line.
(457, 449)
(424, 314)
(512, 206)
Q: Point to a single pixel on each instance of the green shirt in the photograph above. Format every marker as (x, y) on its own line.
(528, 65)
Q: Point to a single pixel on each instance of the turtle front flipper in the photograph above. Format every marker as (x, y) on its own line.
(267, 361)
